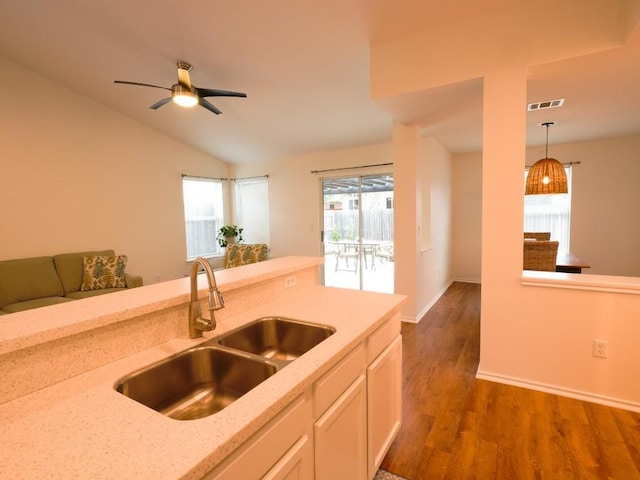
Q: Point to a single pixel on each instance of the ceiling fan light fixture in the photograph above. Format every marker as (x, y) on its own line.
(547, 175)
(183, 96)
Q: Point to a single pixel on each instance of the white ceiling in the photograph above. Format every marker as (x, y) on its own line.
(304, 65)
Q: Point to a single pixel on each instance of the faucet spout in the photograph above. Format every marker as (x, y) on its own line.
(198, 324)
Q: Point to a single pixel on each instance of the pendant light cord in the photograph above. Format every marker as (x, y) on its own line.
(546, 148)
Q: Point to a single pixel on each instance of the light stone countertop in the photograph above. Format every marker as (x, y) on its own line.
(31, 327)
(82, 428)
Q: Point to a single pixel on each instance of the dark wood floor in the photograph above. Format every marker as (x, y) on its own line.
(458, 427)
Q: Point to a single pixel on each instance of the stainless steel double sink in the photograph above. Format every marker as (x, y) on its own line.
(205, 379)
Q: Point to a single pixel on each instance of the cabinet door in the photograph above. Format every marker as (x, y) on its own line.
(384, 393)
(340, 436)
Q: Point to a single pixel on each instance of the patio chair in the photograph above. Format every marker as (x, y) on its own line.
(385, 252)
(347, 252)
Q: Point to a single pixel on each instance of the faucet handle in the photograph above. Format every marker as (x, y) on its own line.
(216, 302)
(205, 324)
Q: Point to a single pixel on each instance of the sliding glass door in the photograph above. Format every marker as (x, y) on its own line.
(358, 232)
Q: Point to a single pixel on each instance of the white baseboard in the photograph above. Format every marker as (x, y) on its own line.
(467, 280)
(561, 391)
(424, 311)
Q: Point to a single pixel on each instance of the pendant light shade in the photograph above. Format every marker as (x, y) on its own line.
(546, 175)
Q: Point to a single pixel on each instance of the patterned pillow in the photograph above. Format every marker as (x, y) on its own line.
(242, 254)
(103, 272)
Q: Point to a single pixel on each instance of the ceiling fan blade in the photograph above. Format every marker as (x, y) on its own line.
(184, 88)
(210, 92)
(162, 102)
(140, 84)
(203, 103)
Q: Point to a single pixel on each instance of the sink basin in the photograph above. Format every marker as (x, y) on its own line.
(276, 338)
(196, 383)
(203, 380)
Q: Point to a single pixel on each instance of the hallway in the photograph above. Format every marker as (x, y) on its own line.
(458, 428)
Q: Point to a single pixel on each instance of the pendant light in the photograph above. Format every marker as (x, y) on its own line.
(546, 175)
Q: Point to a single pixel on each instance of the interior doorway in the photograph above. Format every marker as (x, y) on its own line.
(358, 232)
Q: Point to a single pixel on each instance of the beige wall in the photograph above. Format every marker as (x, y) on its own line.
(295, 210)
(408, 216)
(435, 262)
(295, 193)
(542, 337)
(539, 336)
(78, 176)
(604, 227)
(605, 230)
(462, 50)
(467, 217)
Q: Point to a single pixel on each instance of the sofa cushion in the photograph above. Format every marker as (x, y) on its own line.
(133, 281)
(35, 303)
(28, 278)
(102, 272)
(92, 293)
(70, 267)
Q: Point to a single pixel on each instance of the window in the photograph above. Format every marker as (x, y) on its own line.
(203, 215)
(252, 209)
(550, 213)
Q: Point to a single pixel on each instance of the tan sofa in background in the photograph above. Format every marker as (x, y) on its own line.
(35, 282)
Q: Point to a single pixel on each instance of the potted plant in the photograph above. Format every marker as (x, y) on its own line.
(229, 234)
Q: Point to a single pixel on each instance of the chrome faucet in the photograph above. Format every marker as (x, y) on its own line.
(197, 324)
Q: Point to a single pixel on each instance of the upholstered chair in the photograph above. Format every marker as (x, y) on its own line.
(538, 235)
(238, 254)
(540, 255)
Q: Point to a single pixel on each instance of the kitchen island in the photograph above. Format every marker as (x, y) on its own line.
(67, 420)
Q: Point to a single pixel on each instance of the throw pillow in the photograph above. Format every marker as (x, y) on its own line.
(103, 272)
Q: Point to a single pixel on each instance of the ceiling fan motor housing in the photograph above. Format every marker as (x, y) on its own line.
(184, 65)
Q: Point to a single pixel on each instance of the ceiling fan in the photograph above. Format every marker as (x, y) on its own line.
(185, 94)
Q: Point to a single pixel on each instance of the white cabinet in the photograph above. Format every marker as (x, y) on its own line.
(339, 429)
(358, 416)
(282, 450)
(340, 436)
(340, 420)
(384, 394)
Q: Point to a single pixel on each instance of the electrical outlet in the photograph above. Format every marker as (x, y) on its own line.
(600, 348)
(290, 281)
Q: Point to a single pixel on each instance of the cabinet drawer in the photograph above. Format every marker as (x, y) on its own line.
(382, 337)
(335, 382)
(258, 455)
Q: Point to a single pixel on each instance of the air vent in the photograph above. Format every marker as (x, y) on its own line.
(548, 104)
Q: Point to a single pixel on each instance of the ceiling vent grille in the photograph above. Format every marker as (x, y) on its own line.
(548, 104)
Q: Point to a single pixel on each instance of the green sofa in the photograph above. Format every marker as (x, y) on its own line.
(27, 283)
